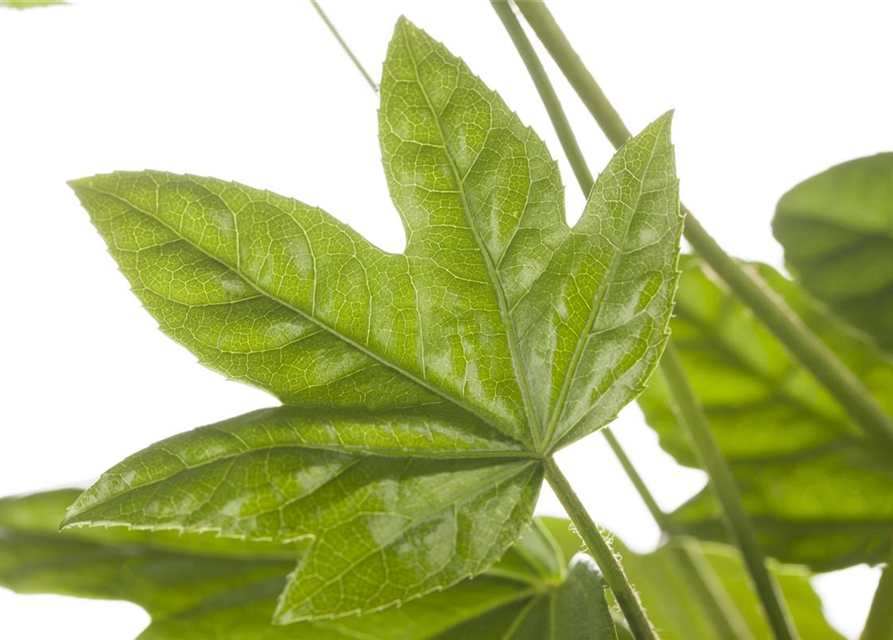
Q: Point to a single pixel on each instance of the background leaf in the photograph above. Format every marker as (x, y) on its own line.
(837, 233)
(662, 579)
(227, 590)
(818, 492)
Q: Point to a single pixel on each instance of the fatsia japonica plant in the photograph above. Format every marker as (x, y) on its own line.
(423, 394)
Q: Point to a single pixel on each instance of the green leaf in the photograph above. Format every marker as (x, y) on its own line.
(387, 524)
(159, 572)
(837, 233)
(818, 492)
(432, 382)
(226, 592)
(668, 593)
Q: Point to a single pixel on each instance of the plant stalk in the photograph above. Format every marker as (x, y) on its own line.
(600, 549)
(691, 416)
(653, 508)
(879, 625)
(713, 598)
(347, 50)
(797, 338)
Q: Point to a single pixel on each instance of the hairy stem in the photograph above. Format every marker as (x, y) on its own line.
(691, 416)
(600, 549)
(797, 338)
(354, 59)
(879, 625)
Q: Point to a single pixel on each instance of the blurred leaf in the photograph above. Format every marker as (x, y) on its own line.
(663, 580)
(29, 4)
(837, 233)
(818, 492)
(227, 590)
(431, 383)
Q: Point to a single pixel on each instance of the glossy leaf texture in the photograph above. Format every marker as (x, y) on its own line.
(664, 581)
(226, 590)
(837, 233)
(817, 491)
(430, 383)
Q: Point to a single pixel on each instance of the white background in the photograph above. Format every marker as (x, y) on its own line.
(766, 94)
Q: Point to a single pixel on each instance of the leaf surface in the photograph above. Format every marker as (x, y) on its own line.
(431, 383)
(228, 589)
(387, 525)
(837, 232)
(818, 492)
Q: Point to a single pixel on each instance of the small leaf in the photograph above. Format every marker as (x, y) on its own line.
(817, 491)
(581, 611)
(515, 595)
(837, 233)
(431, 383)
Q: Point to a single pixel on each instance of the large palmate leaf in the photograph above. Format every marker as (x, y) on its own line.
(818, 492)
(227, 590)
(431, 383)
(674, 601)
(837, 233)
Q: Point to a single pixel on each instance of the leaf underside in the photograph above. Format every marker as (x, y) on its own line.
(818, 492)
(198, 587)
(837, 232)
(423, 388)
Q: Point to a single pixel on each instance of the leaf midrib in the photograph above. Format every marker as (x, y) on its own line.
(457, 401)
(511, 334)
(600, 293)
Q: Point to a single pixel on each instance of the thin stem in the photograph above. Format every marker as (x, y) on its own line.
(344, 46)
(547, 93)
(799, 340)
(712, 596)
(604, 556)
(713, 599)
(656, 512)
(691, 416)
(879, 625)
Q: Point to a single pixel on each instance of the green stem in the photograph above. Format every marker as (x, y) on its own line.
(547, 93)
(653, 508)
(604, 556)
(799, 340)
(879, 625)
(712, 596)
(691, 416)
(713, 599)
(344, 46)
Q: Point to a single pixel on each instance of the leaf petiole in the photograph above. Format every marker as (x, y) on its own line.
(604, 556)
